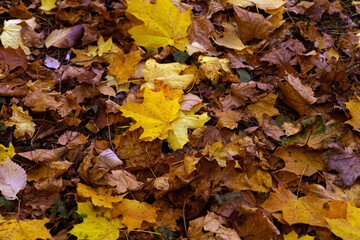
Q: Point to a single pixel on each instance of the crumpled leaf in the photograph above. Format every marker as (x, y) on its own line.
(172, 74)
(47, 5)
(159, 30)
(65, 37)
(6, 152)
(11, 34)
(22, 121)
(97, 223)
(123, 180)
(134, 213)
(161, 118)
(212, 224)
(296, 94)
(100, 196)
(12, 179)
(29, 229)
(213, 68)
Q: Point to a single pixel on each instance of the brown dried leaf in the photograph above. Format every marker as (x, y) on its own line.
(65, 37)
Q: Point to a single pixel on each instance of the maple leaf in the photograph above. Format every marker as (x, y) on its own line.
(354, 108)
(11, 35)
(161, 118)
(22, 121)
(97, 223)
(348, 228)
(6, 152)
(123, 66)
(159, 30)
(25, 230)
(172, 74)
(134, 213)
(99, 197)
(308, 209)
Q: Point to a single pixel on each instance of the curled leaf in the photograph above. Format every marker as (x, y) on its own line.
(65, 38)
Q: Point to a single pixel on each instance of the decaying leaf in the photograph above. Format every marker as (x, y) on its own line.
(12, 179)
(65, 37)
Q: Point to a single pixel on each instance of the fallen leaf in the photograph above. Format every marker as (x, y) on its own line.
(162, 119)
(173, 74)
(11, 34)
(25, 230)
(252, 25)
(159, 30)
(300, 161)
(65, 37)
(353, 107)
(47, 5)
(294, 236)
(214, 224)
(123, 66)
(97, 223)
(24, 126)
(123, 181)
(134, 213)
(6, 152)
(264, 106)
(347, 228)
(12, 179)
(100, 197)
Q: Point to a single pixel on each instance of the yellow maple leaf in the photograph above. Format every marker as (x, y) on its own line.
(220, 152)
(123, 66)
(348, 228)
(47, 5)
(25, 230)
(6, 152)
(161, 118)
(22, 121)
(97, 223)
(159, 30)
(354, 108)
(169, 73)
(134, 213)
(99, 197)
